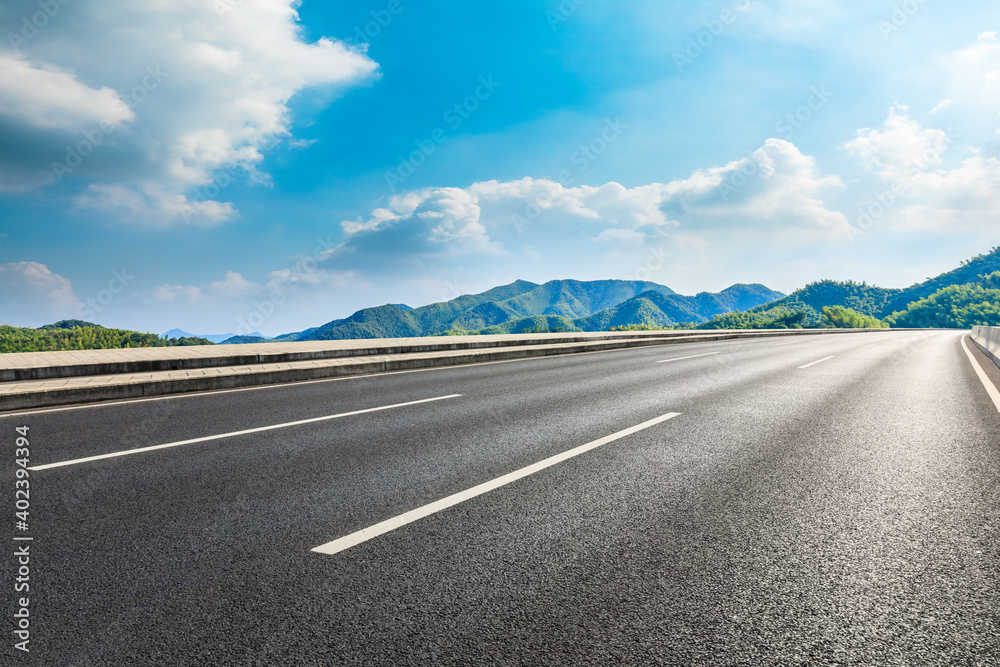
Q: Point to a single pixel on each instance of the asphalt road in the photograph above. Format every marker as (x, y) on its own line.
(794, 512)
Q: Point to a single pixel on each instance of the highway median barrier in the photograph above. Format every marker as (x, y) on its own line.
(987, 339)
(46, 379)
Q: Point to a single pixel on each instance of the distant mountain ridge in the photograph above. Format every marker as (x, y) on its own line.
(568, 305)
(572, 305)
(804, 307)
(215, 338)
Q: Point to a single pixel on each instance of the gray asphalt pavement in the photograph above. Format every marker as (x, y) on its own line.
(794, 513)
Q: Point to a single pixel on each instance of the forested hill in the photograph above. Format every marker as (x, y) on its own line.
(561, 304)
(970, 272)
(80, 335)
(963, 297)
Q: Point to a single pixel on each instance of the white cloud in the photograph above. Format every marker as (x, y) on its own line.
(941, 106)
(48, 97)
(152, 205)
(316, 278)
(440, 226)
(902, 149)
(204, 91)
(793, 20)
(971, 77)
(625, 237)
(235, 284)
(777, 188)
(174, 293)
(32, 295)
(966, 198)
(983, 56)
(930, 195)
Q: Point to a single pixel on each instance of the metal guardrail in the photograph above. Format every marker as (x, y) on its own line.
(988, 340)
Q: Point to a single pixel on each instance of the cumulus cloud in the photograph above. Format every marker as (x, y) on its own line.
(972, 78)
(964, 198)
(32, 295)
(777, 187)
(148, 117)
(902, 148)
(48, 97)
(151, 203)
(983, 57)
(930, 194)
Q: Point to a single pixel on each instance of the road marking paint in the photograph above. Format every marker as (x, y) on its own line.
(788, 343)
(815, 363)
(389, 525)
(236, 433)
(983, 377)
(696, 356)
(872, 345)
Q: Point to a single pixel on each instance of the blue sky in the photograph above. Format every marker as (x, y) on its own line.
(218, 166)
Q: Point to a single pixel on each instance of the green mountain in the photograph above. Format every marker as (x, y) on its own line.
(955, 306)
(930, 303)
(968, 273)
(655, 310)
(536, 324)
(559, 305)
(392, 321)
(804, 307)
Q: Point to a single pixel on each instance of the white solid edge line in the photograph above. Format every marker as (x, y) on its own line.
(389, 525)
(815, 363)
(990, 387)
(236, 433)
(696, 356)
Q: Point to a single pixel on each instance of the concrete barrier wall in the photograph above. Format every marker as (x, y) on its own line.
(27, 366)
(43, 379)
(988, 340)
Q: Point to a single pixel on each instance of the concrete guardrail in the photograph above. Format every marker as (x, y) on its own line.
(33, 380)
(988, 340)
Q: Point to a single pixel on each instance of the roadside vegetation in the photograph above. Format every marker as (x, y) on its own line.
(80, 335)
(957, 306)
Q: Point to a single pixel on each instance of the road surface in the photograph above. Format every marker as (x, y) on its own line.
(827, 500)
